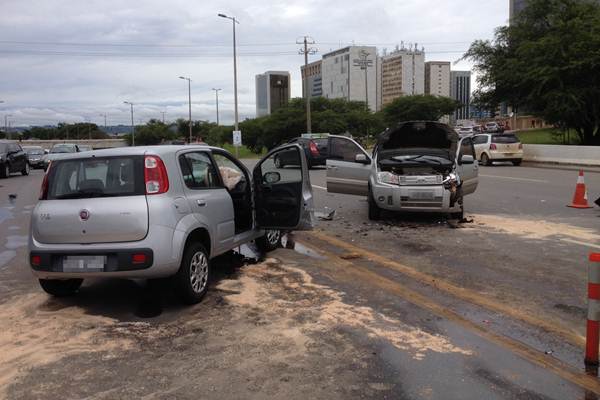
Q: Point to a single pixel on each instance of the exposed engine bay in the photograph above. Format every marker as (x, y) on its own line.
(420, 168)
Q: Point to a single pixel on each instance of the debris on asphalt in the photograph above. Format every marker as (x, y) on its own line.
(326, 215)
(351, 256)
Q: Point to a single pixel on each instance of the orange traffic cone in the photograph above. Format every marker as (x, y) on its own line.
(580, 199)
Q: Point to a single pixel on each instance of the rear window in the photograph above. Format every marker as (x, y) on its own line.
(505, 139)
(96, 177)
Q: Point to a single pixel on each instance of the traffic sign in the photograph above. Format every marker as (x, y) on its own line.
(237, 138)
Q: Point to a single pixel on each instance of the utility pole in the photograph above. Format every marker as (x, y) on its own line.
(235, 93)
(189, 103)
(6, 125)
(306, 51)
(364, 63)
(105, 127)
(132, 123)
(163, 116)
(217, 103)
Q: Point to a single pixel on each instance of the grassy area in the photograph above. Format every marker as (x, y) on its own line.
(547, 136)
(243, 151)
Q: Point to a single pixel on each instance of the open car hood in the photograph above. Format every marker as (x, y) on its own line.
(417, 136)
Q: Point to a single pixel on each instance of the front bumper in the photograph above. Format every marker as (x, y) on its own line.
(425, 198)
(36, 163)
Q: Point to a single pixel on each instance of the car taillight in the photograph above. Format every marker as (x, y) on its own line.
(520, 146)
(138, 258)
(36, 261)
(155, 175)
(493, 146)
(44, 188)
(313, 148)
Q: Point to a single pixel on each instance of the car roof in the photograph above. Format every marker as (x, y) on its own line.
(139, 150)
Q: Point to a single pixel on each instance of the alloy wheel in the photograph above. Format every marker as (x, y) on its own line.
(199, 272)
(273, 236)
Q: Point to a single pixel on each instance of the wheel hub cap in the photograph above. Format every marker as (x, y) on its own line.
(199, 272)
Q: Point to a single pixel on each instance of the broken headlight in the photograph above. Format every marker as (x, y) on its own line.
(387, 177)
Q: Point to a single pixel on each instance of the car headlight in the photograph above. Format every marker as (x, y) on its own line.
(387, 177)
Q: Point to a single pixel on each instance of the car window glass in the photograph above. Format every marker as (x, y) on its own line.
(198, 170)
(466, 148)
(505, 139)
(343, 149)
(232, 175)
(291, 172)
(480, 139)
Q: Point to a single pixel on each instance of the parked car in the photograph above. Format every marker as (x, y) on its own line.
(493, 127)
(35, 156)
(59, 150)
(84, 147)
(160, 211)
(496, 147)
(416, 166)
(12, 159)
(315, 150)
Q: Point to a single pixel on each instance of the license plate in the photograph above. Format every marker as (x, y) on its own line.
(83, 263)
(422, 195)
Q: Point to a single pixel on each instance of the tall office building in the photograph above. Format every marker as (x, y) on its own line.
(437, 78)
(272, 91)
(312, 74)
(460, 90)
(402, 73)
(343, 74)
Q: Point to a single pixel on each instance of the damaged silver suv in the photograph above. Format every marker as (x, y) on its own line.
(416, 166)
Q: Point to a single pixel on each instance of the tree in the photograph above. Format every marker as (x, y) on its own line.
(152, 133)
(546, 62)
(420, 107)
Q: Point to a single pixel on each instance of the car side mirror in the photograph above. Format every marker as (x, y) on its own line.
(466, 159)
(271, 177)
(362, 159)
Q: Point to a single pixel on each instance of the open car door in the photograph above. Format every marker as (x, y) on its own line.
(283, 195)
(467, 166)
(348, 167)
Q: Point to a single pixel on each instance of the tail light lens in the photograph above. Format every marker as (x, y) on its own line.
(155, 175)
(36, 261)
(44, 188)
(313, 148)
(493, 146)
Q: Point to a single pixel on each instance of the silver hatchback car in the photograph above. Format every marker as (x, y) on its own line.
(160, 211)
(419, 166)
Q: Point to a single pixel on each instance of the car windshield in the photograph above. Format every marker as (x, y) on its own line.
(505, 139)
(96, 177)
(63, 149)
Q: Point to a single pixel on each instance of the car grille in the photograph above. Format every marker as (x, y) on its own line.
(411, 180)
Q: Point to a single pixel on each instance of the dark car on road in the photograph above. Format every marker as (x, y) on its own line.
(316, 151)
(35, 156)
(12, 159)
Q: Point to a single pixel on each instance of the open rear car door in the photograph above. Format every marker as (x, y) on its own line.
(283, 196)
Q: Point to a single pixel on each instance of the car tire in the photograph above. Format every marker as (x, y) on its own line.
(374, 210)
(517, 163)
(278, 163)
(485, 160)
(191, 280)
(270, 241)
(25, 170)
(5, 172)
(61, 287)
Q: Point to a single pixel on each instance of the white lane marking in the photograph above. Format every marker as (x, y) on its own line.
(514, 179)
(581, 243)
(319, 187)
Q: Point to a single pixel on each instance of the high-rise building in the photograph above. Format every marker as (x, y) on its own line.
(437, 78)
(351, 73)
(272, 91)
(312, 73)
(515, 7)
(460, 90)
(402, 73)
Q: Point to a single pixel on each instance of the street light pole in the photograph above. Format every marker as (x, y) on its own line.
(6, 125)
(163, 115)
(105, 127)
(235, 93)
(189, 103)
(132, 123)
(217, 103)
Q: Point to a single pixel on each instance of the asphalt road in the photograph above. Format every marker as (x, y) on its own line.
(412, 307)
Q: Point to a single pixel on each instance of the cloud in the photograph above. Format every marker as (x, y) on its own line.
(83, 59)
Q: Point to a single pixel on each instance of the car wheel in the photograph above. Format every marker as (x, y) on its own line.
(269, 241)
(191, 281)
(485, 160)
(374, 210)
(25, 170)
(517, 163)
(278, 162)
(61, 287)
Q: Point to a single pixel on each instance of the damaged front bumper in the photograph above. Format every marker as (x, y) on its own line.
(425, 198)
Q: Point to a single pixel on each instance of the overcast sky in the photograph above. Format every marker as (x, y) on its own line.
(73, 60)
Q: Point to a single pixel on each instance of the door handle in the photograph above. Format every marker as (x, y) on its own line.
(201, 202)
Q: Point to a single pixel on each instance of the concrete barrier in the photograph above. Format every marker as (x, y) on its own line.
(557, 154)
(95, 143)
